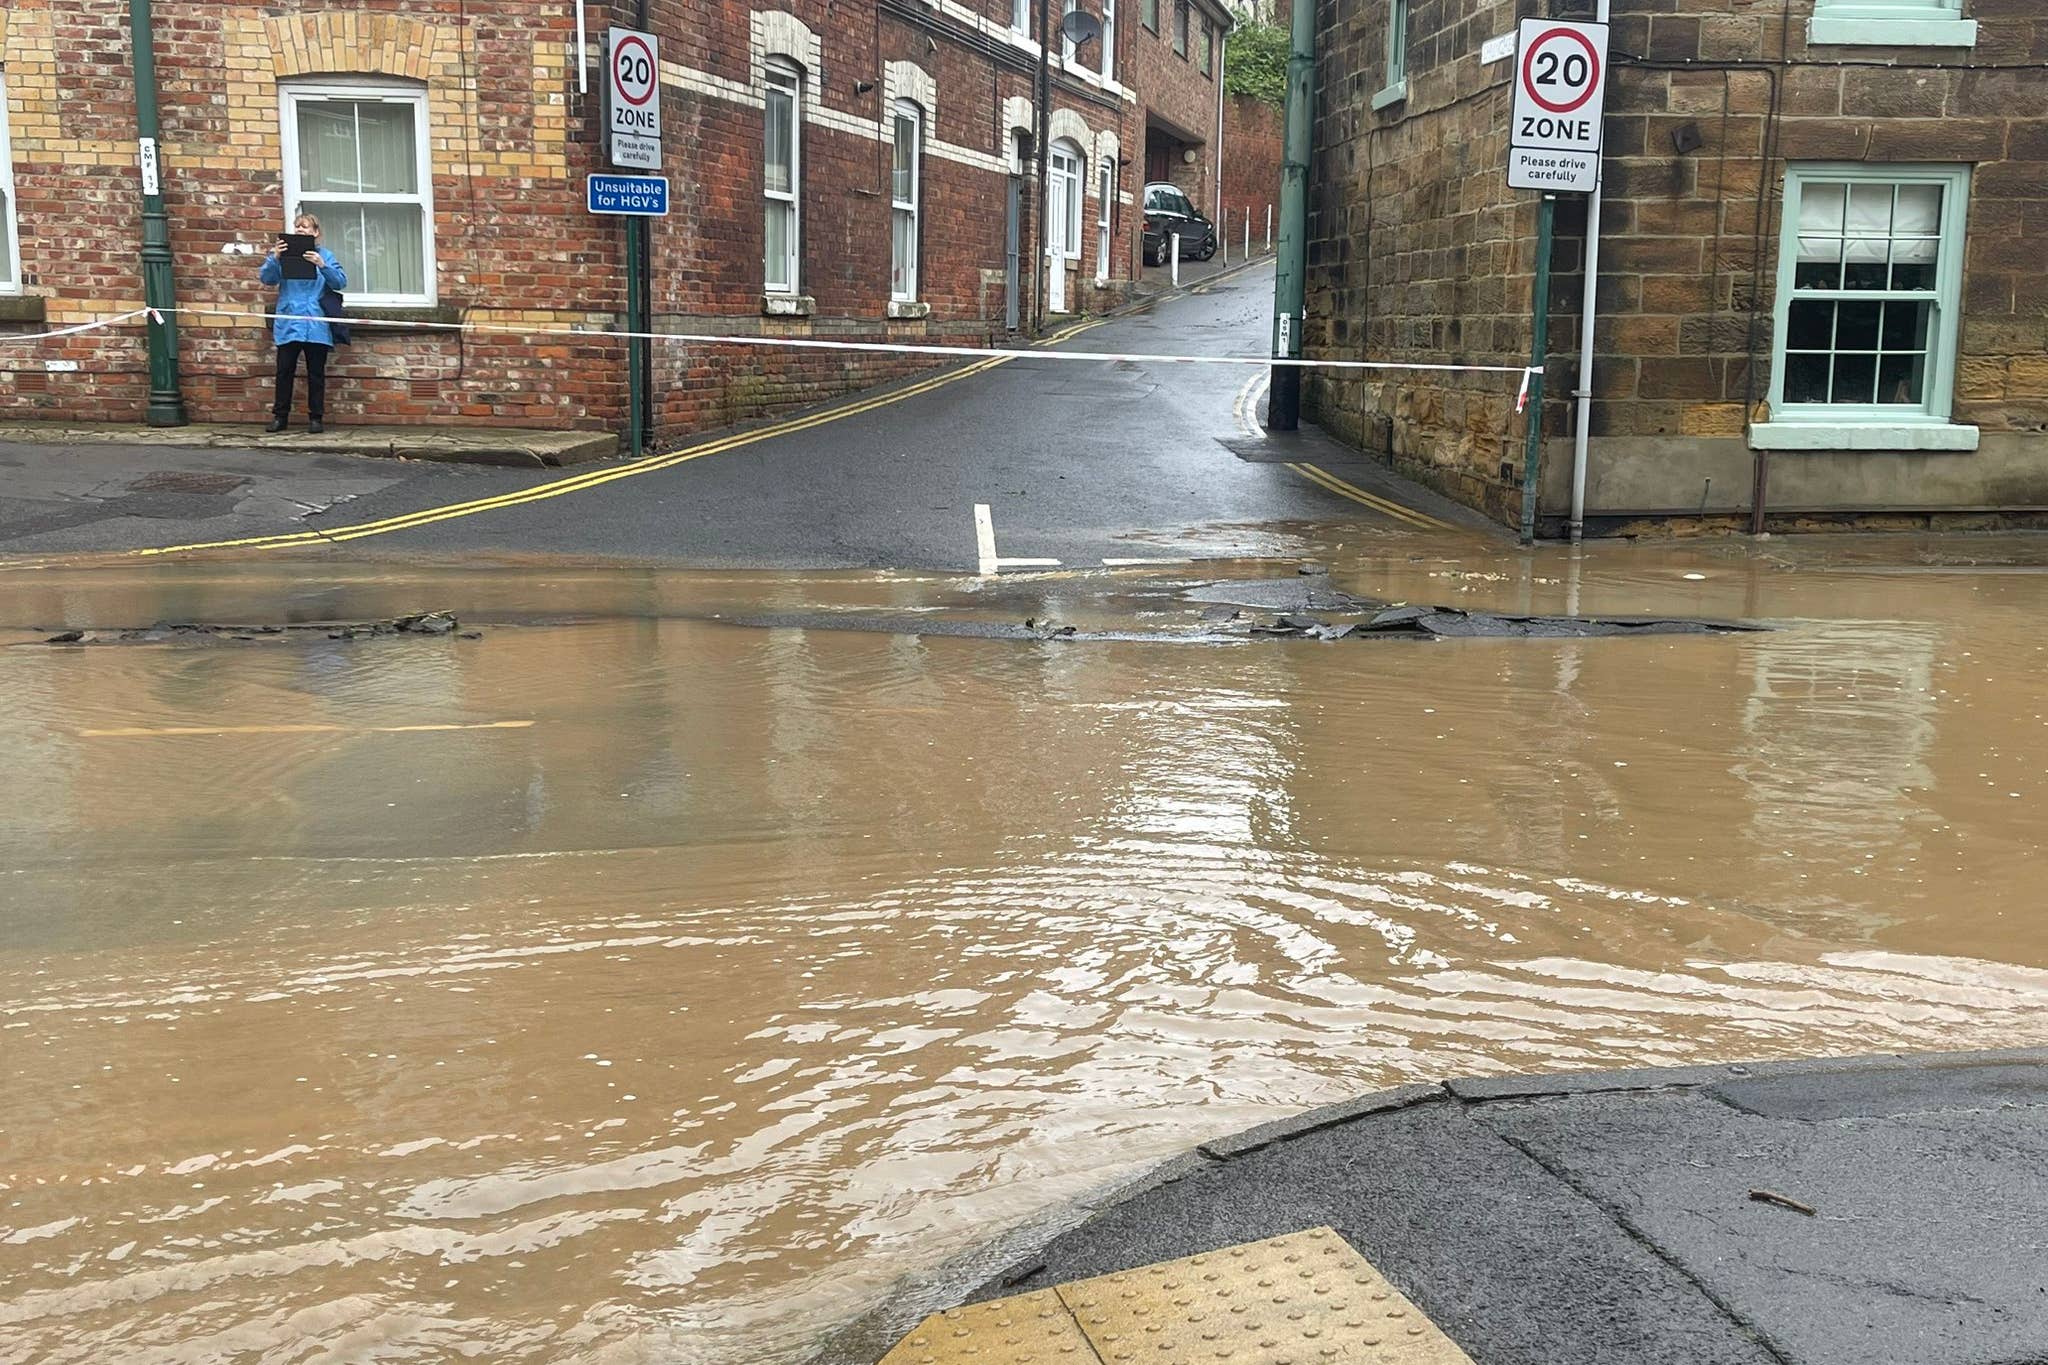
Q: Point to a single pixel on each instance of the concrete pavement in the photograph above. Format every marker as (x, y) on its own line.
(1882, 1209)
(1077, 461)
(513, 447)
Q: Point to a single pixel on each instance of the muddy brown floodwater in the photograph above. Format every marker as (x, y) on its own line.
(690, 982)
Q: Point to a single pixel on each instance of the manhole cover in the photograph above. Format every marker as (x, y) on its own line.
(186, 481)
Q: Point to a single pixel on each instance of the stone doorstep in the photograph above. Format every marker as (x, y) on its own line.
(503, 446)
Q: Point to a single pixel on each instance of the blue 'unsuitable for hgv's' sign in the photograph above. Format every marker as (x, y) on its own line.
(637, 194)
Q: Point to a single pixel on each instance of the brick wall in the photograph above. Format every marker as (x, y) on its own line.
(1177, 96)
(1419, 252)
(511, 141)
(1253, 134)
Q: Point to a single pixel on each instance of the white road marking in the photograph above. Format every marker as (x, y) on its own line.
(984, 540)
(1246, 408)
(1133, 563)
(169, 730)
(986, 562)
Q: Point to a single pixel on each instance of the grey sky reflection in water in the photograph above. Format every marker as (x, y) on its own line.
(765, 966)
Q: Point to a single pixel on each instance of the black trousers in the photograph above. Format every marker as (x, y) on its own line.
(316, 379)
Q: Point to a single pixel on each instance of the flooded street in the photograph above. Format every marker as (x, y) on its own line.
(627, 985)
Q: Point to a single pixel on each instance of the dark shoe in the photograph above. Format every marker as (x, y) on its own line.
(315, 427)
(276, 425)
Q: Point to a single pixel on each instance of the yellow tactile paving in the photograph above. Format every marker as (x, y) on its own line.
(1304, 1299)
(1030, 1329)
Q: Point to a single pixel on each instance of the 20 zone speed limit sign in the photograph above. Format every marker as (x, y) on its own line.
(633, 99)
(1560, 92)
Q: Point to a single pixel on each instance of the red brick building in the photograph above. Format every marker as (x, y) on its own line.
(1178, 61)
(900, 170)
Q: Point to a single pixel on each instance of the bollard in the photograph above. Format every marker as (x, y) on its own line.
(1269, 227)
(1223, 236)
(1173, 252)
(1247, 232)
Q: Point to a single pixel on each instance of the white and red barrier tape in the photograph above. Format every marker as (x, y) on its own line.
(802, 343)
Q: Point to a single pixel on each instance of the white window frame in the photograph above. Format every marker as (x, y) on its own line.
(1891, 23)
(1874, 426)
(1108, 40)
(1020, 16)
(10, 219)
(1106, 189)
(781, 75)
(1396, 88)
(1074, 179)
(913, 207)
(1067, 48)
(317, 90)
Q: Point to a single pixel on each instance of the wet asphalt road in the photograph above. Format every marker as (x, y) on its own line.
(1078, 461)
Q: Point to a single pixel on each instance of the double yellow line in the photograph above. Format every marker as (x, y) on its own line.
(1245, 409)
(575, 483)
(1322, 478)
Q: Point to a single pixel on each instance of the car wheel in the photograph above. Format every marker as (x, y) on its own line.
(1208, 250)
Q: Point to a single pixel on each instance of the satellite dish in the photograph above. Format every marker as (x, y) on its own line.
(1080, 27)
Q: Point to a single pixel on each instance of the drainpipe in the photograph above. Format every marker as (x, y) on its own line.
(582, 50)
(1222, 49)
(1587, 307)
(159, 290)
(1040, 261)
(1290, 289)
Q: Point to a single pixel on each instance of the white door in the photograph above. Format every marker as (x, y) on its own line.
(1108, 199)
(1056, 244)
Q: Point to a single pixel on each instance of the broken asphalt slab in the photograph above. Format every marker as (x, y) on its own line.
(1304, 606)
(427, 623)
(1620, 1218)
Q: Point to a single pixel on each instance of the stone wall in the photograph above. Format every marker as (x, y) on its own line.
(1419, 253)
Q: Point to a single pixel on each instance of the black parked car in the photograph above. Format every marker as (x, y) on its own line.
(1169, 212)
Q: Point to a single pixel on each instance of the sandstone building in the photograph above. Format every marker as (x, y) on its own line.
(1824, 275)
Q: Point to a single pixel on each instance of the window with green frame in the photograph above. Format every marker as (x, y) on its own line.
(1889, 9)
(1150, 15)
(1870, 276)
(1902, 23)
(1397, 42)
(1396, 88)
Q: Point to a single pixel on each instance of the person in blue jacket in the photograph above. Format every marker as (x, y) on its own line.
(301, 327)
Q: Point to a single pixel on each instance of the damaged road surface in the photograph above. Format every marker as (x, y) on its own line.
(193, 633)
(1311, 610)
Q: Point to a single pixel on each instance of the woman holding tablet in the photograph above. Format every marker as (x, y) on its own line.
(301, 270)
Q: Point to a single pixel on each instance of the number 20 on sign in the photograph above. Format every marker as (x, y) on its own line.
(1560, 95)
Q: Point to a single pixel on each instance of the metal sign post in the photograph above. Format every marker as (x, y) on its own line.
(1553, 146)
(632, 119)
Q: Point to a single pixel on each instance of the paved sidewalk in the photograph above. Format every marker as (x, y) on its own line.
(514, 447)
(96, 496)
(1158, 279)
(1844, 1212)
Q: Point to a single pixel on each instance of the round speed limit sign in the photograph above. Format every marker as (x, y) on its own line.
(633, 70)
(1560, 84)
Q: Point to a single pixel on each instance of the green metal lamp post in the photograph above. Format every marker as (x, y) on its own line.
(166, 404)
